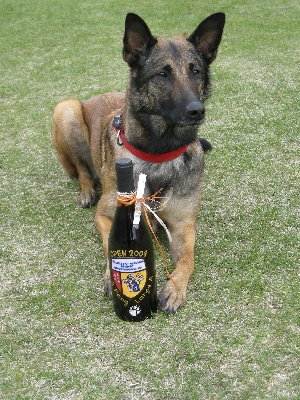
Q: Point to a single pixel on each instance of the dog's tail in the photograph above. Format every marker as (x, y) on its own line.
(206, 145)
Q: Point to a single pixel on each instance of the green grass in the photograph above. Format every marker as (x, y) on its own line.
(237, 337)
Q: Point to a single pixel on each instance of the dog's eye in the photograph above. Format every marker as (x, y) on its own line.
(163, 74)
(196, 71)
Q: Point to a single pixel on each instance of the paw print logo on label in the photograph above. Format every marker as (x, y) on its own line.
(134, 310)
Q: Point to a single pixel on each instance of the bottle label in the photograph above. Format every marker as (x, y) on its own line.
(129, 275)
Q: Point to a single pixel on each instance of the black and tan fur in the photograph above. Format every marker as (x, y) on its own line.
(161, 111)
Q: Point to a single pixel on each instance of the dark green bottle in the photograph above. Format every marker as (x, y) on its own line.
(131, 256)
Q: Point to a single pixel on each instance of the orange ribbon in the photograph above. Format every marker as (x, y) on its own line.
(130, 198)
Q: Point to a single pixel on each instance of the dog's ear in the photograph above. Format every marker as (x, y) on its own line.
(138, 39)
(207, 37)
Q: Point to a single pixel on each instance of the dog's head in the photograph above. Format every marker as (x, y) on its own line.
(170, 78)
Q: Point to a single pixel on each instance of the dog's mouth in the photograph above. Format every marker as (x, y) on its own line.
(189, 122)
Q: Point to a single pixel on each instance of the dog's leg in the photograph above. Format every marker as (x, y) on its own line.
(173, 294)
(70, 137)
(180, 216)
(103, 225)
(103, 221)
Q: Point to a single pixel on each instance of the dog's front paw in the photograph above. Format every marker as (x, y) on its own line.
(87, 198)
(172, 297)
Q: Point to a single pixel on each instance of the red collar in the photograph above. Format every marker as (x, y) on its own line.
(150, 157)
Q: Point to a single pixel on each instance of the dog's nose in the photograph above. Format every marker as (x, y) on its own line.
(195, 109)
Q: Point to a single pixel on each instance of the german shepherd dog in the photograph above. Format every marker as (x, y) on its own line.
(160, 116)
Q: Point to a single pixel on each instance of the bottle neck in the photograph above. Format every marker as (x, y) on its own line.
(123, 199)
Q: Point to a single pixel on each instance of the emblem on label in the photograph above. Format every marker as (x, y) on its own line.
(129, 275)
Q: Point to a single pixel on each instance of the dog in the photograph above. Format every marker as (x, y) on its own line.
(156, 126)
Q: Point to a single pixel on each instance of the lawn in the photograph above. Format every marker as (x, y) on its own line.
(237, 337)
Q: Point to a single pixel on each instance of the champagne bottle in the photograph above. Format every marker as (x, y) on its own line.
(131, 254)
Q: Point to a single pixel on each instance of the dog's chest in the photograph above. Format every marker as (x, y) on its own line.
(182, 175)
